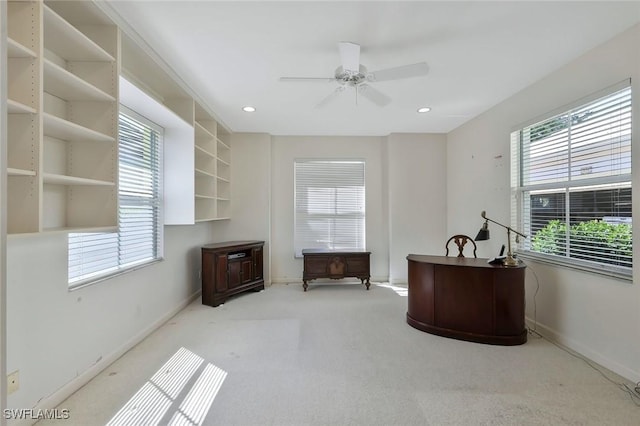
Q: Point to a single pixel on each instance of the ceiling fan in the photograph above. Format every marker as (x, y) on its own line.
(353, 74)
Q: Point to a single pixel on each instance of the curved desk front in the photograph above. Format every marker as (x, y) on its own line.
(467, 299)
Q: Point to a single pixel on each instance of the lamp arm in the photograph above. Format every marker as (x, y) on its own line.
(508, 228)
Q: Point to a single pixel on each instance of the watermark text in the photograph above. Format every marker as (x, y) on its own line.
(36, 414)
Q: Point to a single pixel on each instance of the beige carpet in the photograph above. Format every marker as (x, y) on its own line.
(338, 355)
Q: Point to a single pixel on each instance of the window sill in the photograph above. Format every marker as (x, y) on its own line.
(77, 285)
(619, 273)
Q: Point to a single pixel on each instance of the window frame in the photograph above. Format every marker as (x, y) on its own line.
(119, 269)
(363, 215)
(518, 191)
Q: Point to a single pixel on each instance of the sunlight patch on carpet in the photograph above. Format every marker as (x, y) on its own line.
(154, 400)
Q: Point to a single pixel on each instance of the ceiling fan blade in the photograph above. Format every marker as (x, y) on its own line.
(320, 79)
(331, 97)
(374, 95)
(350, 55)
(406, 71)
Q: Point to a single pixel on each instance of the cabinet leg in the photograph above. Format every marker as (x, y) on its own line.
(305, 285)
(368, 284)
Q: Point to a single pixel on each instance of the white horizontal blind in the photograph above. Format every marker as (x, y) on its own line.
(574, 182)
(94, 255)
(330, 205)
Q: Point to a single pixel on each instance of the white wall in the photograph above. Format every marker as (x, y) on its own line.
(250, 193)
(285, 149)
(597, 316)
(58, 339)
(405, 198)
(417, 199)
(3, 202)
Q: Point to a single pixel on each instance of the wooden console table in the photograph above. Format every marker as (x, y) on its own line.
(467, 299)
(319, 263)
(229, 268)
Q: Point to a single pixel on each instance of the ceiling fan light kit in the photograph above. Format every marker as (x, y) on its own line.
(353, 74)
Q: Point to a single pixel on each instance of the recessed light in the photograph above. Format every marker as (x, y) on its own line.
(424, 109)
(249, 109)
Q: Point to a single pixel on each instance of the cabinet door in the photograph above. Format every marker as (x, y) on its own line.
(235, 274)
(256, 254)
(246, 273)
(221, 272)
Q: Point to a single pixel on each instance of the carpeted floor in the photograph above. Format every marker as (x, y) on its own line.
(338, 355)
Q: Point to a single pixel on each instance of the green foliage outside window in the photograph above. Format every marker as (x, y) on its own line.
(611, 240)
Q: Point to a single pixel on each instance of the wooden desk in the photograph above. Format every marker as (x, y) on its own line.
(467, 299)
(332, 264)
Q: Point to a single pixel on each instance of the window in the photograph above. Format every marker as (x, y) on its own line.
(93, 256)
(571, 175)
(330, 205)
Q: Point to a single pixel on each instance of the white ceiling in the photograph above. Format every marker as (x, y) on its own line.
(479, 53)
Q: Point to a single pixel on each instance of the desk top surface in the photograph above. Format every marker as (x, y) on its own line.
(458, 261)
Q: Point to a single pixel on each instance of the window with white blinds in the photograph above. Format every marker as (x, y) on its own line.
(330, 205)
(94, 256)
(571, 175)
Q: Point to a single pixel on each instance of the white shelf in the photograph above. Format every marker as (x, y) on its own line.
(206, 219)
(220, 178)
(68, 42)
(223, 162)
(204, 151)
(92, 229)
(55, 179)
(205, 197)
(15, 107)
(201, 128)
(223, 144)
(63, 84)
(17, 50)
(20, 172)
(66, 130)
(203, 173)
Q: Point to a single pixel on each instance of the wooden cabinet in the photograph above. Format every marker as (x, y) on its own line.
(333, 264)
(229, 268)
(62, 117)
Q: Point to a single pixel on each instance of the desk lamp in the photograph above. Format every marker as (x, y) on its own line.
(483, 235)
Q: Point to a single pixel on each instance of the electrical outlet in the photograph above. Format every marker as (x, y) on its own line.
(13, 382)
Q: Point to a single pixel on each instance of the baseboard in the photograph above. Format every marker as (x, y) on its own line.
(583, 351)
(55, 399)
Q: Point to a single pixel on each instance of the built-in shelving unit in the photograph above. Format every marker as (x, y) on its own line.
(24, 122)
(64, 64)
(205, 172)
(224, 173)
(212, 164)
(62, 117)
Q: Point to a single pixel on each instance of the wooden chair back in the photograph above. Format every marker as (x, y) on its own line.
(460, 241)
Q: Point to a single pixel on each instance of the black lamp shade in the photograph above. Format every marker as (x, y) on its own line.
(483, 233)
